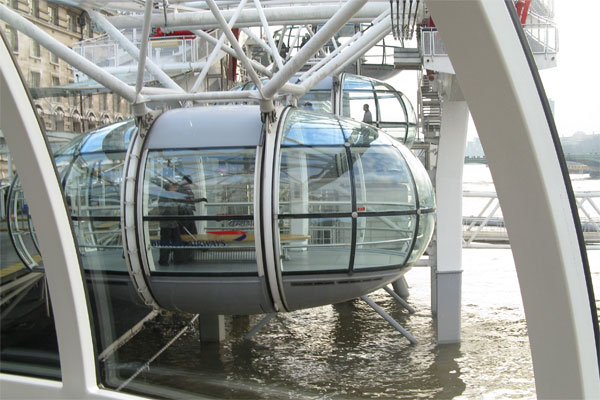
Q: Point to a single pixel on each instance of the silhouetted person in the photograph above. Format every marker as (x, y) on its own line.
(368, 117)
(177, 200)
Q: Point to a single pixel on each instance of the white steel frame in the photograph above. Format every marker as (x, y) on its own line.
(546, 252)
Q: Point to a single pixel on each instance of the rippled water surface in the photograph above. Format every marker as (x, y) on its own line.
(347, 351)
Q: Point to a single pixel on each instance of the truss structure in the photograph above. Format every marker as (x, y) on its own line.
(383, 16)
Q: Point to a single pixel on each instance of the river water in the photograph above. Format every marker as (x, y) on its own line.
(347, 351)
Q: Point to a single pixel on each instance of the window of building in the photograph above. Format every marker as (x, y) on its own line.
(34, 79)
(35, 50)
(104, 101)
(35, 8)
(54, 58)
(72, 22)
(88, 29)
(13, 39)
(88, 101)
(116, 103)
(55, 83)
(53, 13)
(14, 4)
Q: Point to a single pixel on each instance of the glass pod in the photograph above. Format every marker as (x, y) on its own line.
(234, 218)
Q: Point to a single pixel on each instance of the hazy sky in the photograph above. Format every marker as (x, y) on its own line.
(573, 85)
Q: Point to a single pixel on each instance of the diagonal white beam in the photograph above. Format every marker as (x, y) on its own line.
(217, 48)
(288, 15)
(372, 36)
(257, 66)
(258, 40)
(312, 46)
(337, 51)
(265, 25)
(234, 43)
(359, 53)
(74, 59)
(132, 50)
(144, 47)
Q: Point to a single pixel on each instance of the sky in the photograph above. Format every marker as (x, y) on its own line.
(573, 85)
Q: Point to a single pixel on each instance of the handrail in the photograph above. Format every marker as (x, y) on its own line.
(486, 229)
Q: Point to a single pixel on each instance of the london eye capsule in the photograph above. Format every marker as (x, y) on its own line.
(363, 99)
(218, 213)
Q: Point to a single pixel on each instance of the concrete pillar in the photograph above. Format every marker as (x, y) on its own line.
(447, 270)
(212, 328)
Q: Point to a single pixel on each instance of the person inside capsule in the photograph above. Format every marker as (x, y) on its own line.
(177, 198)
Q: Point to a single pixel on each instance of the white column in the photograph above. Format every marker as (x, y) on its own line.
(498, 84)
(446, 272)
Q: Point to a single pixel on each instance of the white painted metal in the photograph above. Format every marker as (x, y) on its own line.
(133, 51)
(341, 48)
(265, 26)
(269, 212)
(291, 15)
(259, 67)
(336, 22)
(137, 269)
(143, 47)
(449, 171)
(208, 96)
(77, 61)
(234, 43)
(359, 46)
(38, 175)
(489, 61)
(216, 50)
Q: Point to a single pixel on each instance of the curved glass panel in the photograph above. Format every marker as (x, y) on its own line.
(382, 180)
(426, 225)
(383, 241)
(316, 100)
(412, 121)
(198, 208)
(309, 245)
(314, 180)
(92, 190)
(307, 129)
(21, 228)
(360, 106)
(355, 82)
(424, 187)
(333, 218)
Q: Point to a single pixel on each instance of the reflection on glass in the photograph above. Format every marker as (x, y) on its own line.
(424, 188)
(354, 82)
(311, 129)
(28, 343)
(315, 244)
(198, 210)
(383, 241)
(426, 225)
(21, 227)
(92, 191)
(316, 100)
(353, 106)
(314, 180)
(382, 179)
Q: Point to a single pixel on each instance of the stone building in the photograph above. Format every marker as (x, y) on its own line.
(64, 108)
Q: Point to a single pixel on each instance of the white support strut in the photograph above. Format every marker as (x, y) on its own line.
(77, 61)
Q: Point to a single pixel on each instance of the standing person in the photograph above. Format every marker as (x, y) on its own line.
(169, 229)
(368, 117)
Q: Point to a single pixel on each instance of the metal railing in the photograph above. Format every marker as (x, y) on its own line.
(168, 51)
(486, 228)
(542, 35)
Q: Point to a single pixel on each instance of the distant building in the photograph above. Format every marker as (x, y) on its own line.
(62, 116)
